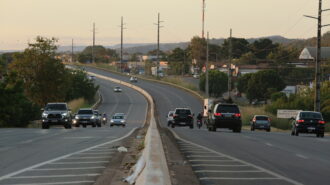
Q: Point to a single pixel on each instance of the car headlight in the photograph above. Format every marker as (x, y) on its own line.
(76, 117)
(44, 114)
(93, 117)
(104, 119)
(111, 121)
(122, 121)
(65, 114)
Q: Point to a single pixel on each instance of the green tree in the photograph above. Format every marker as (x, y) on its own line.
(44, 76)
(101, 55)
(263, 83)
(197, 48)
(247, 58)
(263, 47)
(283, 55)
(242, 82)
(240, 46)
(217, 83)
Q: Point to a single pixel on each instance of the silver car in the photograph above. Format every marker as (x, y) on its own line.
(260, 122)
(119, 119)
(117, 89)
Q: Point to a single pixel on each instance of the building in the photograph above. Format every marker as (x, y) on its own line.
(309, 54)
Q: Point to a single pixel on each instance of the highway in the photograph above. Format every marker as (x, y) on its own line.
(69, 156)
(224, 157)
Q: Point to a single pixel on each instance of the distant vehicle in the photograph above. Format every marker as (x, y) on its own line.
(308, 122)
(260, 122)
(183, 117)
(170, 118)
(98, 118)
(84, 117)
(91, 77)
(133, 79)
(118, 119)
(117, 89)
(224, 116)
(196, 76)
(56, 114)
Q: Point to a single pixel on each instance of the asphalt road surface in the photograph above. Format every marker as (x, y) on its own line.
(69, 156)
(224, 157)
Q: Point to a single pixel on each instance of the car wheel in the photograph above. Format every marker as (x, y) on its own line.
(172, 125)
(124, 125)
(111, 125)
(322, 135)
(268, 130)
(45, 126)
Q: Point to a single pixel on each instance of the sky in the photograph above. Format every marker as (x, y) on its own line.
(21, 21)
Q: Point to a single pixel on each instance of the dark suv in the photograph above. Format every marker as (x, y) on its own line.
(183, 117)
(224, 116)
(308, 122)
(56, 114)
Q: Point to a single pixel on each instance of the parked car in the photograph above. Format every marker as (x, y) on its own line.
(117, 89)
(169, 118)
(308, 122)
(183, 117)
(84, 117)
(260, 122)
(133, 79)
(224, 116)
(98, 118)
(56, 114)
(118, 119)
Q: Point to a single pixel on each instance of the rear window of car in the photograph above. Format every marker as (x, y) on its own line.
(51, 107)
(227, 109)
(262, 118)
(85, 112)
(183, 111)
(310, 115)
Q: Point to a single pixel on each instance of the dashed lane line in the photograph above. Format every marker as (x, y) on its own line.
(83, 162)
(60, 169)
(228, 171)
(238, 178)
(56, 176)
(58, 183)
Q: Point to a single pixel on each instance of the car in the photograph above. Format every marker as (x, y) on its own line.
(56, 114)
(118, 119)
(133, 79)
(224, 115)
(169, 118)
(117, 89)
(183, 117)
(91, 77)
(260, 122)
(84, 117)
(98, 118)
(308, 122)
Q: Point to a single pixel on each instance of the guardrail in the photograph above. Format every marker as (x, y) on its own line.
(155, 171)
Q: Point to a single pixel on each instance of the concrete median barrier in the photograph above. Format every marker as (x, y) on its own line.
(155, 170)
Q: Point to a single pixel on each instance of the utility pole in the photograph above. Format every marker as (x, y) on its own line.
(184, 61)
(203, 19)
(317, 95)
(72, 56)
(121, 43)
(229, 63)
(207, 68)
(158, 40)
(93, 59)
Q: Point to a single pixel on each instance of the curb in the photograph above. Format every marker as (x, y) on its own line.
(155, 170)
(99, 101)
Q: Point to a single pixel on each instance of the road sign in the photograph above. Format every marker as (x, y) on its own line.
(281, 113)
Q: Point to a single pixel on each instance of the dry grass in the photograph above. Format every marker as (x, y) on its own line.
(77, 104)
(178, 81)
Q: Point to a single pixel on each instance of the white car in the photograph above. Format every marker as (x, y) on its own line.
(117, 89)
(133, 79)
(118, 119)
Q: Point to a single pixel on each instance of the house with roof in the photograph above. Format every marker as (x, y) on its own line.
(309, 54)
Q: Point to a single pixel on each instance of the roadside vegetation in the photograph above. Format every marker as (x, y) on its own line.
(33, 78)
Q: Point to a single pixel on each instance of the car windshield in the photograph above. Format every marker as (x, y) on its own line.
(51, 107)
(182, 111)
(85, 112)
(310, 115)
(263, 118)
(227, 109)
(118, 117)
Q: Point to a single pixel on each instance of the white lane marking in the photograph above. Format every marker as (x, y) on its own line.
(96, 157)
(234, 178)
(82, 162)
(269, 144)
(59, 169)
(95, 153)
(229, 171)
(278, 176)
(64, 156)
(190, 156)
(212, 160)
(56, 176)
(219, 165)
(78, 137)
(58, 183)
(197, 151)
(301, 156)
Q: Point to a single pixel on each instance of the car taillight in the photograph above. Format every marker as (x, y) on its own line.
(217, 114)
(322, 122)
(238, 115)
(175, 115)
(301, 121)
